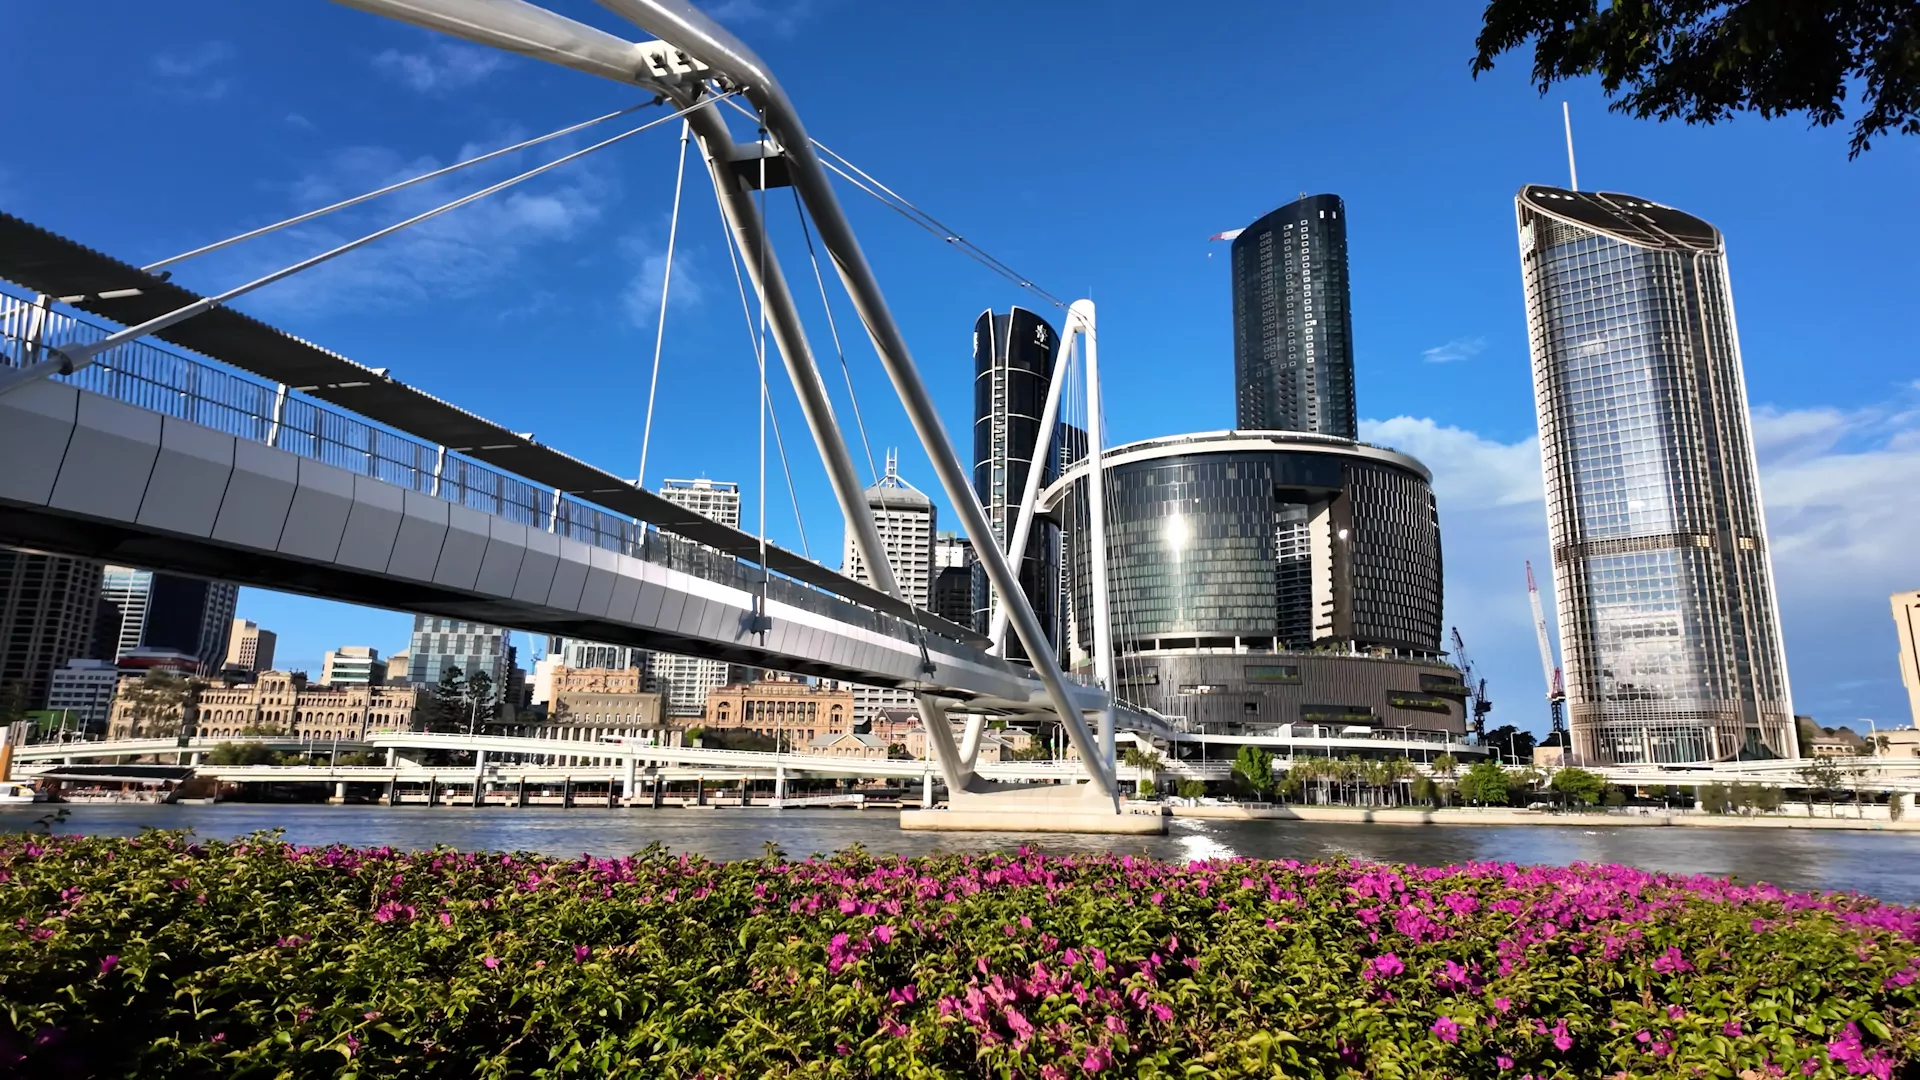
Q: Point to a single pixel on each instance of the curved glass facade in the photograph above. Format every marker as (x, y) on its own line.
(1263, 539)
(1669, 632)
(1293, 322)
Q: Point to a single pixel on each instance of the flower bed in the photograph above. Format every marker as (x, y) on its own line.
(160, 957)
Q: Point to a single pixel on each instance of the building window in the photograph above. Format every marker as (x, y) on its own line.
(1272, 673)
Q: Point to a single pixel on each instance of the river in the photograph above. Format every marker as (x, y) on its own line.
(1885, 865)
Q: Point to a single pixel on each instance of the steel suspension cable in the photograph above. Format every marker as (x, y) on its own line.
(906, 208)
(833, 328)
(71, 358)
(390, 188)
(666, 281)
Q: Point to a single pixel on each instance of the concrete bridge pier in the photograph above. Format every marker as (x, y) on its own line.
(699, 792)
(628, 781)
(520, 797)
(659, 792)
(479, 778)
(196, 758)
(339, 792)
(566, 793)
(433, 791)
(779, 784)
(613, 792)
(393, 790)
(926, 791)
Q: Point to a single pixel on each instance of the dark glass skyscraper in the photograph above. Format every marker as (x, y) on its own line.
(1013, 366)
(1668, 625)
(1292, 323)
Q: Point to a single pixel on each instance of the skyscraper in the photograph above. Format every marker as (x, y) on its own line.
(904, 517)
(683, 682)
(250, 648)
(167, 611)
(1292, 323)
(956, 573)
(1013, 356)
(1668, 624)
(48, 606)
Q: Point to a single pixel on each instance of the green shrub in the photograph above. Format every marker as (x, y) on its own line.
(1191, 789)
(1145, 789)
(160, 958)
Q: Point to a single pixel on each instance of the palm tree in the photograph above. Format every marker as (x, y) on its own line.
(1446, 767)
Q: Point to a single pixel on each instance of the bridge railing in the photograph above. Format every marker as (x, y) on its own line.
(166, 381)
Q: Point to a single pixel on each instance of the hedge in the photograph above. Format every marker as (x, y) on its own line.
(161, 957)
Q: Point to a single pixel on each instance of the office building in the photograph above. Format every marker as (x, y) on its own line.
(82, 693)
(438, 644)
(397, 667)
(1669, 632)
(1013, 359)
(577, 653)
(592, 705)
(1268, 583)
(48, 608)
(1292, 321)
(1906, 619)
(168, 611)
(353, 665)
(250, 648)
(957, 580)
(685, 681)
(904, 517)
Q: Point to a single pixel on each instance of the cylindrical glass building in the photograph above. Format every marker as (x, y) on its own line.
(1668, 625)
(1013, 366)
(1266, 578)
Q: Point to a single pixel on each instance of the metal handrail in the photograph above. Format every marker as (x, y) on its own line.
(165, 381)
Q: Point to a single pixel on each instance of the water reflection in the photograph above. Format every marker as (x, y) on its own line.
(1880, 864)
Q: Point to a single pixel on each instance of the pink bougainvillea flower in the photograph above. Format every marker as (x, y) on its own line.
(1446, 1029)
(491, 962)
(109, 962)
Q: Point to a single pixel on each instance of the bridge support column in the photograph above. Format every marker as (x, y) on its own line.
(393, 790)
(628, 781)
(393, 756)
(613, 792)
(659, 792)
(433, 791)
(520, 799)
(779, 784)
(339, 792)
(699, 792)
(926, 791)
(566, 793)
(196, 758)
(746, 791)
(479, 778)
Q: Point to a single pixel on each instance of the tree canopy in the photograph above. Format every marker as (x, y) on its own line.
(1485, 783)
(1579, 785)
(1702, 61)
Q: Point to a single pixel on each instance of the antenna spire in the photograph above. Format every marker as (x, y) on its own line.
(1573, 175)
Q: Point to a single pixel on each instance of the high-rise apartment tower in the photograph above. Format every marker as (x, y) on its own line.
(168, 611)
(1292, 322)
(1668, 625)
(48, 605)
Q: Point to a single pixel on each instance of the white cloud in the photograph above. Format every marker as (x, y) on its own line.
(295, 120)
(1470, 471)
(641, 298)
(189, 74)
(443, 67)
(452, 256)
(782, 16)
(1457, 349)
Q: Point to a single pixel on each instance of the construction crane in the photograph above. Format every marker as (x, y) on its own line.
(1556, 690)
(1477, 704)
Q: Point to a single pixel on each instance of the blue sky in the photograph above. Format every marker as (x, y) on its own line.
(1094, 148)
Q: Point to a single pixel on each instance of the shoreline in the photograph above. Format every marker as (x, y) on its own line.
(1460, 815)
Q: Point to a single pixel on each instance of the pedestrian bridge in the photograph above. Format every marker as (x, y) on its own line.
(152, 458)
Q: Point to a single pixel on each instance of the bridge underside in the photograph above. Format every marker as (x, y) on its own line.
(93, 476)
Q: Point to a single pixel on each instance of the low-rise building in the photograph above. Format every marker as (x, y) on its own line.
(590, 705)
(848, 745)
(993, 748)
(781, 708)
(284, 703)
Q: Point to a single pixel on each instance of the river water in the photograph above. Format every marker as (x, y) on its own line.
(1885, 865)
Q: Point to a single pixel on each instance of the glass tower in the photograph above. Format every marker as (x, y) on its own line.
(1668, 625)
(1013, 358)
(1292, 324)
